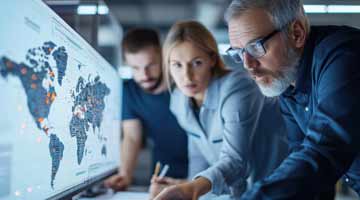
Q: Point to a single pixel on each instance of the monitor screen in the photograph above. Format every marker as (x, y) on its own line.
(60, 106)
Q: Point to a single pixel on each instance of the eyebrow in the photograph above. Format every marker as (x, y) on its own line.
(136, 66)
(174, 60)
(255, 39)
(197, 57)
(252, 40)
(151, 63)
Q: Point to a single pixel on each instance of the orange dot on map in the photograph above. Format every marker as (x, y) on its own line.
(34, 77)
(40, 119)
(53, 95)
(23, 71)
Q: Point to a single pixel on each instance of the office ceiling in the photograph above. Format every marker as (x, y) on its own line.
(102, 31)
(161, 14)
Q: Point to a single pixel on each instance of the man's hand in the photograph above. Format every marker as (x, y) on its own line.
(118, 182)
(160, 183)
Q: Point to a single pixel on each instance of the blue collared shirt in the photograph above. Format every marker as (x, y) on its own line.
(322, 115)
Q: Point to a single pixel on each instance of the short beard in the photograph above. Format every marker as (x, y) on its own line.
(288, 75)
(156, 85)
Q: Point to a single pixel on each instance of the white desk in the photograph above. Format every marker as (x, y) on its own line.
(134, 193)
(137, 193)
(121, 196)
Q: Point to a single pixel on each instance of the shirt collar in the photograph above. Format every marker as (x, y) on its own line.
(303, 80)
(211, 99)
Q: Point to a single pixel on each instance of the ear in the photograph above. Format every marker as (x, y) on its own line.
(298, 34)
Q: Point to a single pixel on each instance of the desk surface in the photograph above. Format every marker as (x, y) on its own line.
(121, 196)
(140, 193)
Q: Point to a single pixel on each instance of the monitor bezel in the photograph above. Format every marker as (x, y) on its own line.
(71, 192)
(75, 190)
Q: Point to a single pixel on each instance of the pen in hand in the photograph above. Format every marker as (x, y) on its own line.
(157, 169)
(164, 171)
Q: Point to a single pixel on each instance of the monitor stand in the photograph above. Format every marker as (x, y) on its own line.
(94, 191)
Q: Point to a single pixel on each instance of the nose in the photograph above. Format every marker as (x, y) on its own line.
(250, 63)
(188, 73)
(145, 72)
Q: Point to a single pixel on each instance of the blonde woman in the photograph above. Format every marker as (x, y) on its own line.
(235, 133)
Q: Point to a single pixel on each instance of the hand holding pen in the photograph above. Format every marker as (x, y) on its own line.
(159, 181)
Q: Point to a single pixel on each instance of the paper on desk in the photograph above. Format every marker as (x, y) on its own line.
(131, 196)
(145, 196)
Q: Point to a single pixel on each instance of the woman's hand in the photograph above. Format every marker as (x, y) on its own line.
(176, 192)
(160, 183)
(185, 191)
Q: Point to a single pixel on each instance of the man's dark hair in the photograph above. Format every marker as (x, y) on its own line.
(138, 39)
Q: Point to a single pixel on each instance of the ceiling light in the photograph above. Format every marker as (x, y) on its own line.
(92, 10)
(343, 9)
(315, 8)
(333, 9)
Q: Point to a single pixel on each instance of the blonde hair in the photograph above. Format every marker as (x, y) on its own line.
(195, 33)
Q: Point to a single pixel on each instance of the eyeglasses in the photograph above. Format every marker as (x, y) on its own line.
(255, 49)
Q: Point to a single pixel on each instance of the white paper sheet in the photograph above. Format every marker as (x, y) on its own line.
(130, 196)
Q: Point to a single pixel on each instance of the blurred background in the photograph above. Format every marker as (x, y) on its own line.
(103, 22)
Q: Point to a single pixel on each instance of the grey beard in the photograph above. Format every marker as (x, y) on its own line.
(279, 85)
(288, 76)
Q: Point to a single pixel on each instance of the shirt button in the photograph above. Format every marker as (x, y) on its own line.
(306, 109)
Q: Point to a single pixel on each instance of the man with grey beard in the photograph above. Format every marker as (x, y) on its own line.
(316, 74)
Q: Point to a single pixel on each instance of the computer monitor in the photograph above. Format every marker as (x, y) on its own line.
(59, 106)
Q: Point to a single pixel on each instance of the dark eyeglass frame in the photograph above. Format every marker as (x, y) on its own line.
(237, 53)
